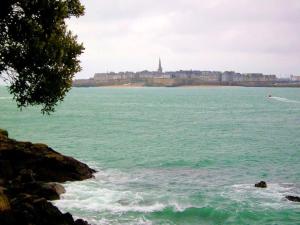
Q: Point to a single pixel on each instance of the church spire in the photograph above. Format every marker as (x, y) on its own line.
(160, 70)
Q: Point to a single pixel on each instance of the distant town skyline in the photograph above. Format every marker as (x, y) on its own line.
(246, 36)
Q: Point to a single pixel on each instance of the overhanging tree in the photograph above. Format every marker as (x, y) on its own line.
(38, 55)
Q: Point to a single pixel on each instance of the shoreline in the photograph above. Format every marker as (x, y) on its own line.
(30, 178)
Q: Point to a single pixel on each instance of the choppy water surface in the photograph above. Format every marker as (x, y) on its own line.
(174, 155)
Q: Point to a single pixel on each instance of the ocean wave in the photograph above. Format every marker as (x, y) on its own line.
(108, 201)
(93, 196)
(188, 212)
(103, 199)
(271, 197)
(117, 197)
(115, 221)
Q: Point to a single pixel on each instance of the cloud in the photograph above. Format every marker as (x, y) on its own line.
(244, 35)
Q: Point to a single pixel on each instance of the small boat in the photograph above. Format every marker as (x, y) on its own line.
(270, 96)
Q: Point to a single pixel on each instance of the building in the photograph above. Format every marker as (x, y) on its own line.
(295, 78)
(181, 77)
(160, 70)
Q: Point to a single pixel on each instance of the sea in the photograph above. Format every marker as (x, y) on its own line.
(185, 155)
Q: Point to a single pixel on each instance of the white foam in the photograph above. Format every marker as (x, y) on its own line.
(272, 197)
(100, 195)
(106, 221)
(102, 199)
(108, 196)
(284, 99)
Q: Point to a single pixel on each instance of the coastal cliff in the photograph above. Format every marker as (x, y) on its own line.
(27, 175)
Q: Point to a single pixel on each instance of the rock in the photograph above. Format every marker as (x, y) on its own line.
(58, 188)
(4, 132)
(2, 182)
(7, 218)
(27, 175)
(28, 209)
(46, 164)
(6, 170)
(261, 184)
(2, 190)
(36, 210)
(52, 191)
(4, 203)
(49, 191)
(81, 222)
(293, 198)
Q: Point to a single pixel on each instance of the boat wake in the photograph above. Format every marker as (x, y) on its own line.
(284, 100)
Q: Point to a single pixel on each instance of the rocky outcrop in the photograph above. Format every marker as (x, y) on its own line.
(31, 209)
(293, 198)
(3, 132)
(4, 203)
(50, 191)
(46, 164)
(261, 184)
(28, 173)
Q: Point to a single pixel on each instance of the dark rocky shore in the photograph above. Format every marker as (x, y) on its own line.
(28, 173)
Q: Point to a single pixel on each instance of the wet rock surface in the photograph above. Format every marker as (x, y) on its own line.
(46, 164)
(261, 184)
(28, 173)
(293, 198)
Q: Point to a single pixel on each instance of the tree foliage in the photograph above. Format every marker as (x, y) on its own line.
(38, 55)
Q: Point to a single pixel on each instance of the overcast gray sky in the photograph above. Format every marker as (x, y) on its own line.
(241, 35)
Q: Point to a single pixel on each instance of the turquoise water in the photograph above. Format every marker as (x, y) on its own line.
(174, 155)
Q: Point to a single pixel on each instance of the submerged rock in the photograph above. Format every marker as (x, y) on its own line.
(293, 198)
(81, 222)
(261, 184)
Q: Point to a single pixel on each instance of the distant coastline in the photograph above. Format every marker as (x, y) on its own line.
(185, 79)
(181, 78)
(287, 85)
